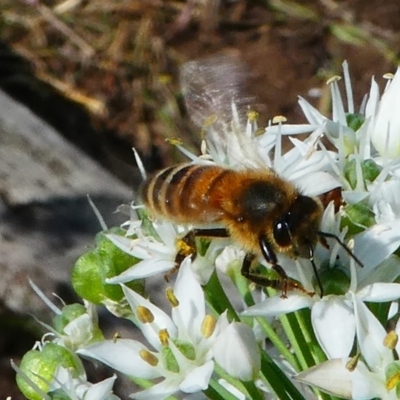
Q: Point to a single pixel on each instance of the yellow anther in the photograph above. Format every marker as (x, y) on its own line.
(278, 119)
(169, 293)
(390, 340)
(208, 326)
(145, 316)
(389, 76)
(352, 363)
(335, 78)
(148, 357)
(252, 116)
(163, 335)
(174, 141)
(393, 381)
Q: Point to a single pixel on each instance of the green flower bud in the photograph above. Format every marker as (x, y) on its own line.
(40, 367)
(169, 360)
(59, 394)
(334, 281)
(69, 313)
(355, 121)
(93, 268)
(370, 170)
(357, 217)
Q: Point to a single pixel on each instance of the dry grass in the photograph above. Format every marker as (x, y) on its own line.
(120, 58)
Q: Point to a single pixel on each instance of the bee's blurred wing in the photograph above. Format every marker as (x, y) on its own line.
(214, 91)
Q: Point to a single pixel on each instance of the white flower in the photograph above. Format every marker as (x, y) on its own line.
(80, 389)
(157, 251)
(81, 329)
(385, 124)
(370, 378)
(182, 347)
(333, 315)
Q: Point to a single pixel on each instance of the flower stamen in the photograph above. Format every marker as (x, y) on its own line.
(208, 326)
(151, 359)
(144, 315)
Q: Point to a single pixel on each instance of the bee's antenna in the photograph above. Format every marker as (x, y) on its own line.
(348, 250)
(319, 283)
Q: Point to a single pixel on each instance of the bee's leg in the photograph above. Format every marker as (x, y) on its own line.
(257, 278)
(187, 246)
(284, 283)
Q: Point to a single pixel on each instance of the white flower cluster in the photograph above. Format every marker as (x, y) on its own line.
(204, 345)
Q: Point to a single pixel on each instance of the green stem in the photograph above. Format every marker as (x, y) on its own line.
(277, 380)
(304, 321)
(243, 287)
(278, 343)
(216, 391)
(293, 332)
(249, 389)
(217, 299)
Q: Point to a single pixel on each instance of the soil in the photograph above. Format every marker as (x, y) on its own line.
(289, 49)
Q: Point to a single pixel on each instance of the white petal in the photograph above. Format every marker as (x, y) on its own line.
(161, 319)
(288, 129)
(334, 326)
(167, 232)
(198, 378)
(191, 309)
(79, 330)
(128, 246)
(275, 305)
(388, 192)
(313, 116)
(101, 390)
(316, 183)
(380, 292)
(121, 355)
(370, 336)
(333, 377)
(237, 352)
(384, 135)
(376, 244)
(373, 99)
(160, 391)
(142, 269)
(352, 197)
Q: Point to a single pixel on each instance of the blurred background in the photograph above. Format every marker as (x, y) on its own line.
(84, 81)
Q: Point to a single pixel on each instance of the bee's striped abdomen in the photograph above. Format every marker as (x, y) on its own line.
(183, 193)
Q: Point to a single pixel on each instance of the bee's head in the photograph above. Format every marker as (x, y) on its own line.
(296, 232)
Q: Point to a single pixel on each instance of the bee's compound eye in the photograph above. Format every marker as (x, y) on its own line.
(282, 234)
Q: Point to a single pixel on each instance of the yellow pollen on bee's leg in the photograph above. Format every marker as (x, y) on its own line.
(183, 248)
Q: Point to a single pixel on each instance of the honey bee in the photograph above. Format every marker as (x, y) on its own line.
(259, 210)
